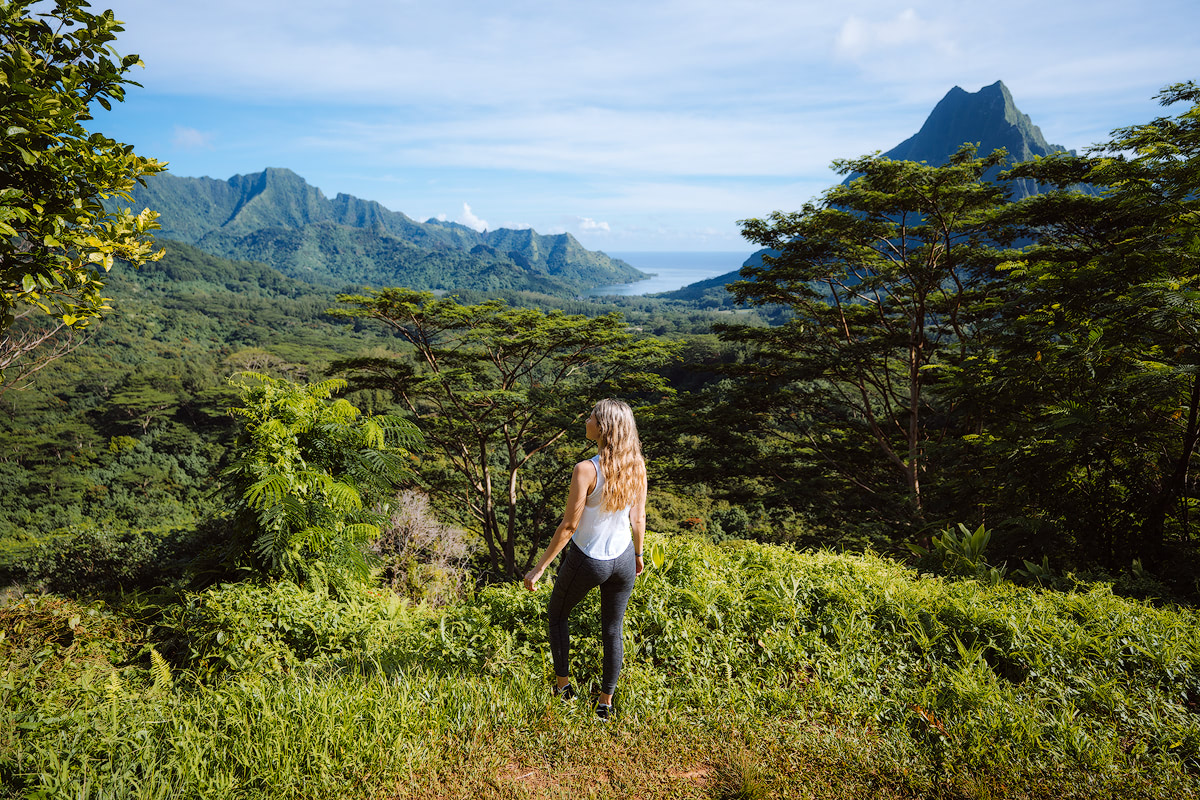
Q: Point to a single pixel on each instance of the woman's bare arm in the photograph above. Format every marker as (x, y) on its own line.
(583, 480)
(637, 521)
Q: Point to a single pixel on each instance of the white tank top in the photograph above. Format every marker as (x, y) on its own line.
(602, 535)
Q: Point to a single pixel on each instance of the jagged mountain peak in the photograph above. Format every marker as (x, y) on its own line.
(988, 117)
(992, 105)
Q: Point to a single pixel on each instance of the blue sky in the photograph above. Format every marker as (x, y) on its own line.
(645, 125)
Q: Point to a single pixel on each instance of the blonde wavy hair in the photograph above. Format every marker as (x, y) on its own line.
(620, 455)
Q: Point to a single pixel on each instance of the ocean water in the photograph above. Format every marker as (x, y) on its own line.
(672, 270)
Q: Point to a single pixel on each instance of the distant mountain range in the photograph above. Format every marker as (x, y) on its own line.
(276, 218)
(988, 118)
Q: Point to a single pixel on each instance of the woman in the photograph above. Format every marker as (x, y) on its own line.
(602, 529)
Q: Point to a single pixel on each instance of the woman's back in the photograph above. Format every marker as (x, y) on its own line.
(602, 533)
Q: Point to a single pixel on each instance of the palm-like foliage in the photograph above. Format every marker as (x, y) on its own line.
(306, 471)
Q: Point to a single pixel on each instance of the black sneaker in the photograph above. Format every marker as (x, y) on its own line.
(565, 693)
(604, 712)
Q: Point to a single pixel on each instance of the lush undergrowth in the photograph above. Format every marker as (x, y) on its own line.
(751, 671)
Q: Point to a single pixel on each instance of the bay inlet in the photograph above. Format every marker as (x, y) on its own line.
(671, 270)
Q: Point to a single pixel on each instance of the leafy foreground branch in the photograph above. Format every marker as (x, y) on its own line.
(752, 671)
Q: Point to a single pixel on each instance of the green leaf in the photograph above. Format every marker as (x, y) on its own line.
(268, 492)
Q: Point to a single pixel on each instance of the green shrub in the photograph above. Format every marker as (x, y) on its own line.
(248, 628)
(97, 559)
(304, 478)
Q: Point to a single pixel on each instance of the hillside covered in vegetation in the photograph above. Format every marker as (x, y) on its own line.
(275, 217)
(752, 671)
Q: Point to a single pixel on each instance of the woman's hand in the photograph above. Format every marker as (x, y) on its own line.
(531, 578)
(583, 480)
(640, 568)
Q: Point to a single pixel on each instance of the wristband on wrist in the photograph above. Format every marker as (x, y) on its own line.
(637, 555)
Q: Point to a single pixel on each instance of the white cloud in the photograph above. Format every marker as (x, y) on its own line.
(611, 141)
(191, 139)
(385, 52)
(863, 37)
(589, 225)
(471, 221)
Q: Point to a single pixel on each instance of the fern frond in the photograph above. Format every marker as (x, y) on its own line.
(343, 411)
(271, 545)
(273, 429)
(402, 432)
(372, 434)
(267, 492)
(388, 467)
(326, 388)
(316, 479)
(161, 671)
(350, 560)
(361, 531)
(344, 496)
(315, 537)
(115, 690)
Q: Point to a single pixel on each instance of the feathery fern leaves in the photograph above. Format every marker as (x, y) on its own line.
(306, 472)
(161, 672)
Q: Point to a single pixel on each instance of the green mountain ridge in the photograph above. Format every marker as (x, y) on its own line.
(277, 218)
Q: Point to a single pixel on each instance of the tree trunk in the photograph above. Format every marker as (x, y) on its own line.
(1175, 486)
(491, 528)
(510, 540)
(914, 409)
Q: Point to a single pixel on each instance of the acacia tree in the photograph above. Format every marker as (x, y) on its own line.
(60, 229)
(494, 390)
(884, 277)
(1092, 371)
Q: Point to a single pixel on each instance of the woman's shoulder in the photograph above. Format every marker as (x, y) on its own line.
(586, 475)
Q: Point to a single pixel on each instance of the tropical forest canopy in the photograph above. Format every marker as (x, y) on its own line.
(914, 351)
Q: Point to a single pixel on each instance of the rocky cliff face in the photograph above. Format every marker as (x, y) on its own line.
(988, 118)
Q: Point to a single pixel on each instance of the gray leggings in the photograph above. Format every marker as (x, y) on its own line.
(577, 576)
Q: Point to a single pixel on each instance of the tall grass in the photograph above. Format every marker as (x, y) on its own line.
(751, 671)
